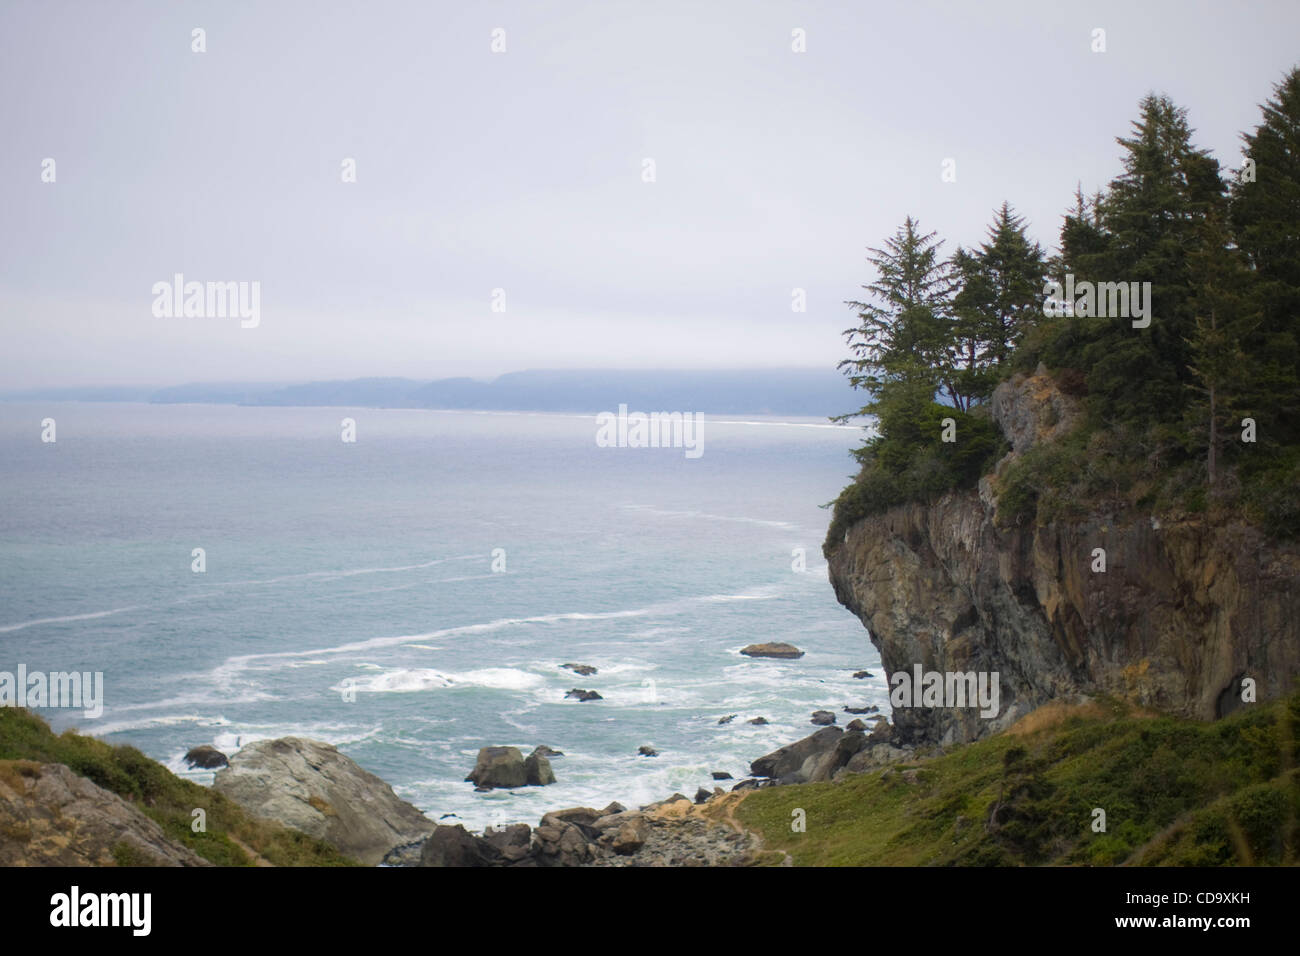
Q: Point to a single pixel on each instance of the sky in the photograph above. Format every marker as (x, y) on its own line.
(524, 169)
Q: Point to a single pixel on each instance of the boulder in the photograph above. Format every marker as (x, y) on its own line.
(822, 767)
(561, 841)
(583, 695)
(823, 718)
(581, 816)
(856, 724)
(758, 721)
(775, 649)
(790, 758)
(874, 755)
(721, 775)
(499, 767)
(861, 674)
(614, 807)
(631, 836)
(512, 842)
(702, 795)
(456, 846)
(206, 758)
(582, 670)
(309, 786)
(537, 770)
(645, 750)
(728, 719)
(50, 816)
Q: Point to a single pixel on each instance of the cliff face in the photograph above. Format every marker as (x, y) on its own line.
(1182, 613)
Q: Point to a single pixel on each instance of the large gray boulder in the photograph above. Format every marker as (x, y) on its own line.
(790, 758)
(456, 846)
(537, 769)
(311, 787)
(499, 767)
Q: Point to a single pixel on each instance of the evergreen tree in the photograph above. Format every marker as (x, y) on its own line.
(1265, 217)
(1001, 297)
(901, 335)
(1222, 371)
(1140, 230)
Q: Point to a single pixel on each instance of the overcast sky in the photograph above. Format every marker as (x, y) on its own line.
(523, 170)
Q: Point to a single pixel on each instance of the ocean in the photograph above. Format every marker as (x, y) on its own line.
(411, 596)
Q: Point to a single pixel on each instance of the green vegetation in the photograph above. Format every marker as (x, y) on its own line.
(1164, 401)
(1175, 793)
(163, 797)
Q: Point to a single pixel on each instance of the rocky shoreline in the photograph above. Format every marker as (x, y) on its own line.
(309, 786)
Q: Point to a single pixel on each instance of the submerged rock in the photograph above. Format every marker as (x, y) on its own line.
(579, 694)
(823, 718)
(645, 750)
(582, 670)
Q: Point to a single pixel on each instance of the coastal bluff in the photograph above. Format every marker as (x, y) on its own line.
(1185, 612)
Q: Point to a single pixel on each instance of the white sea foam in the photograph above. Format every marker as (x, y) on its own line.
(707, 516)
(166, 720)
(69, 618)
(348, 572)
(404, 680)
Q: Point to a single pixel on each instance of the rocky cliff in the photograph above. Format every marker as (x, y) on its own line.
(1183, 613)
(50, 816)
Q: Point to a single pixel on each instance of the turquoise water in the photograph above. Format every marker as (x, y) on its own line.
(369, 565)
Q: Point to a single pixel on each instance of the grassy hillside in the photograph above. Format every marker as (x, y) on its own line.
(164, 797)
(1175, 793)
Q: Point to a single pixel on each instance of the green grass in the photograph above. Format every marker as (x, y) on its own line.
(1175, 792)
(163, 797)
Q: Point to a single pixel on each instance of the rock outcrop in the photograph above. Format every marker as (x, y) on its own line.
(50, 816)
(1183, 613)
(789, 760)
(311, 787)
(775, 649)
(537, 769)
(206, 758)
(674, 832)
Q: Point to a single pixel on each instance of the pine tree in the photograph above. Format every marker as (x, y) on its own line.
(1222, 371)
(1001, 297)
(1265, 217)
(1140, 229)
(902, 333)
